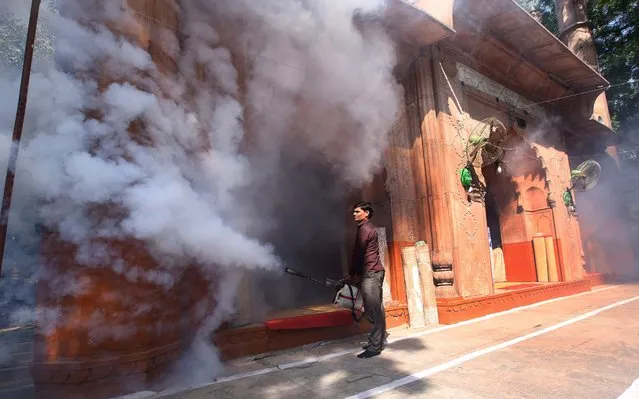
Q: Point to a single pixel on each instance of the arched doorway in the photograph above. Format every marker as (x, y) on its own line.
(517, 211)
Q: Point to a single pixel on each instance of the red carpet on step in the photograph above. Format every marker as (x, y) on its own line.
(318, 320)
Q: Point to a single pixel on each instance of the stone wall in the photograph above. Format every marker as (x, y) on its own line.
(109, 324)
(111, 329)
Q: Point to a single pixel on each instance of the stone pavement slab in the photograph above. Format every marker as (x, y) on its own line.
(594, 366)
(590, 358)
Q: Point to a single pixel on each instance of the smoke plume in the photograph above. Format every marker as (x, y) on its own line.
(226, 137)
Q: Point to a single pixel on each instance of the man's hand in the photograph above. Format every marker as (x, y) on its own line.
(352, 279)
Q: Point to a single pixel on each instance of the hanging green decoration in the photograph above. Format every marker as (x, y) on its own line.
(568, 201)
(466, 178)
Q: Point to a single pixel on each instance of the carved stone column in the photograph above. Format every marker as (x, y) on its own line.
(575, 31)
(243, 301)
(402, 189)
(429, 298)
(439, 231)
(413, 287)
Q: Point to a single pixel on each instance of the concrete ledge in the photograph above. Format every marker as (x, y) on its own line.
(455, 310)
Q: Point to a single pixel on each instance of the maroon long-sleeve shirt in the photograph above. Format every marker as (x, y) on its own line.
(366, 252)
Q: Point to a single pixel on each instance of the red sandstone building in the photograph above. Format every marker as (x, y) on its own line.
(461, 62)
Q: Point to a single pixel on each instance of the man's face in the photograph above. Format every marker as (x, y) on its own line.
(360, 215)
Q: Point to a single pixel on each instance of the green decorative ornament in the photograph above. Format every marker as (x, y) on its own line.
(568, 198)
(466, 178)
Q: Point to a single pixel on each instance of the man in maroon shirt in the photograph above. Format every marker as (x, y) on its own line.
(367, 266)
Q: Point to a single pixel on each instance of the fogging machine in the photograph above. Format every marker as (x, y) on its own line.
(348, 296)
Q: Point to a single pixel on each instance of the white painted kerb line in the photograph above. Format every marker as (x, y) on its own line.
(460, 360)
(317, 359)
(632, 392)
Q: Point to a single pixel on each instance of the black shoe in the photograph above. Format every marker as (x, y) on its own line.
(368, 353)
(368, 346)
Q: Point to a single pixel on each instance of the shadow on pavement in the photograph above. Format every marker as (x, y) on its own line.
(338, 377)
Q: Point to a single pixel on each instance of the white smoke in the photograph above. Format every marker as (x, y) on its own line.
(195, 158)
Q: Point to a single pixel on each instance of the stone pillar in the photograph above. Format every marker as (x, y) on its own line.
(402, 189)
(413, 287)
(551, 256)
(499, 275)
(439, 233)
(383, 253)
(429, 299)
(541, 260)
(575, 31)
(243, 316)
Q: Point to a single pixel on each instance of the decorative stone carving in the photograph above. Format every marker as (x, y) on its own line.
(488, 86)
(443, 277)
(396, 315)
(470, 223)
(400, 181)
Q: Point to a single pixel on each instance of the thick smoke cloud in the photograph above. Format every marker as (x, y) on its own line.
(228, 143)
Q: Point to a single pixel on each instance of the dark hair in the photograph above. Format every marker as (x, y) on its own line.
(366, 207)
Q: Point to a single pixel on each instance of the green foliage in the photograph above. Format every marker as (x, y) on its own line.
(11, 52)
(615, 24)
(545, 10)
(13, 37)
(528, 5)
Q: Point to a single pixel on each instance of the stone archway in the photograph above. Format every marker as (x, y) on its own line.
(517, 197)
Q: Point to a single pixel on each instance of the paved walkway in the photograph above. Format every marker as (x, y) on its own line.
(584, 346)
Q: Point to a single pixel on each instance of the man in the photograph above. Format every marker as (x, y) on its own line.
(367, 266)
